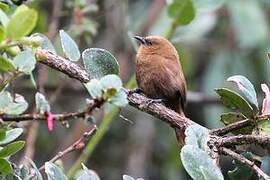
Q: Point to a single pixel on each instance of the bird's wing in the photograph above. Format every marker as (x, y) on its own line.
(179, 82)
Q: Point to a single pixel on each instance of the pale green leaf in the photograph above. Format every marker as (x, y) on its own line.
(94, 88)
(11, 135)
(199, 164)
(120, 99)
(69, 46)
(99, 62)
(8, 105)
(3, 18)
(25, 61)
(246, 87)
(54, 172)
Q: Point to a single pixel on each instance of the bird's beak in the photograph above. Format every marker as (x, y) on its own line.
(140, 39)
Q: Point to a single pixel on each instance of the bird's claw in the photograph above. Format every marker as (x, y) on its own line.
(136, 90)
(151, 101)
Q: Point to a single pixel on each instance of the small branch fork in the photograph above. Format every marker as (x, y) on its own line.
(79, 144)
(219, 143)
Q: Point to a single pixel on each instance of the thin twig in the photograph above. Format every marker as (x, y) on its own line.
(245, 161)
(79, 144)
(57, 117)
(244, 139)
(239, 125)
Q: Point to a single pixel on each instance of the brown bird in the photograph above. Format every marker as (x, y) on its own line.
(159, 74)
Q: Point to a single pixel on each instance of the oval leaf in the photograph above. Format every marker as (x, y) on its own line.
(25, 61)
(11, 149)
(8, 105)
(246, 87)
(86, 173)
(120, 99)
(94, 88)
(45, 43)
(22, 22)
(54, 172)
(234, 101)
(11, 135)
(199, 164)
(232, 117)
(69, 46)
(5, 167)
(182, 11)
(99, 62)
(197, 136)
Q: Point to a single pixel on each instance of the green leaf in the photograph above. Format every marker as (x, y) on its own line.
(3, 18)
(2, 33)
(94, 88)
(11, 135)
(234, 101)
(42, 104)
(111, 81)
(5, 167)
(241, 171)
(99, 62)
(69, 46)
(263, 128)
(32, 79)
(248, 18)
(265, 165)
(199, 164)
(246, 87)
(11, 149)
(182, 11)
(22, 22)
(86, 174)
(232, 117)
(6, 64)
(25, 61)
(8, 105)
(120, 99)
(45, 43)
(2, 134)
(197, 136)
(54, 172)
(4, 6)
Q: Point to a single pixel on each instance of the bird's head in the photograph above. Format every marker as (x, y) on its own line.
(155, 45)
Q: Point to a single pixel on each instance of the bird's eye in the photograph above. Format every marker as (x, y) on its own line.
(148, 42)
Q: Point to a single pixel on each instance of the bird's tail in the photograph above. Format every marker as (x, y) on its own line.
(177, 107)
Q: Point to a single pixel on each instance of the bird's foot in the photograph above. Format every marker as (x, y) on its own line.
(151, 101)
(136, 90)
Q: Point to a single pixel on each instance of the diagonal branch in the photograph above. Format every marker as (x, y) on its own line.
(79, 144)
(245, 161)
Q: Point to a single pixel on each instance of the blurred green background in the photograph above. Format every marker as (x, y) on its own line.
(226, 37)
